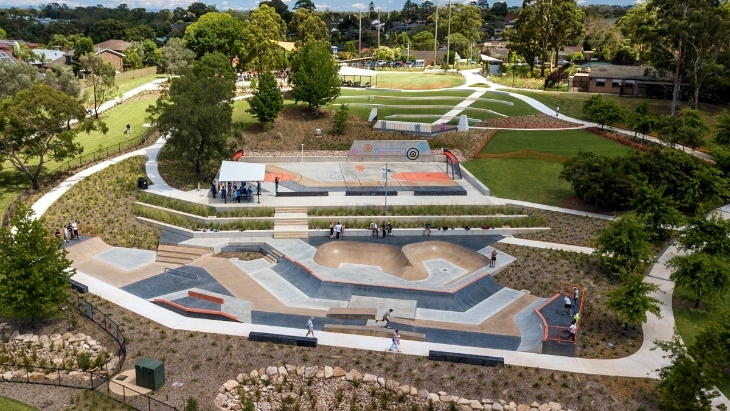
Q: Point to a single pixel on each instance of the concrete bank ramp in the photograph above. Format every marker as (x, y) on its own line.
(417, 253)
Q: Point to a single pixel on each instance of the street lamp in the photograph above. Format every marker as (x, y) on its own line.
(448, 39)
(386, 170)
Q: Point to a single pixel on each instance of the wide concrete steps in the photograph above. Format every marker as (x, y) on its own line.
(179, 254)
(291, 222)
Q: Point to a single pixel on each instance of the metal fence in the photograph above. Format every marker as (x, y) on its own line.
(53, 175)
(101, 379)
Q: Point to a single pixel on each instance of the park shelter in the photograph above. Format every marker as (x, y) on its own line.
(356, 75)
(239, 171)
(494, 64)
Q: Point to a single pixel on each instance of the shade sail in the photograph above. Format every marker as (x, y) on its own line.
(239, 171)
(354, 71)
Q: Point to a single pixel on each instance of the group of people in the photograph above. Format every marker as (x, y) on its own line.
(571, 308)
(395, 339)
(69, 232)
(337, 230)
(233, 191)
(386, 229)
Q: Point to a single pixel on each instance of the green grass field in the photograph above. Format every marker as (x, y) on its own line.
(12, 182)
(532, 179)
(417, 81)
(689, 321)
(565, 142)
(131, 84)
(518, 107)
(9, 404)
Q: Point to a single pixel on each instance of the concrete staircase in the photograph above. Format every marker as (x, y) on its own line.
(291, 222)
(176, 254)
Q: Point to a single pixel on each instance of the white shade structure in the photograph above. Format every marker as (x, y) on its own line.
(239, 171)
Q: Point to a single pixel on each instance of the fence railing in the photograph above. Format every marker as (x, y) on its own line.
(562, 333)
(84, 159)
(100, 379)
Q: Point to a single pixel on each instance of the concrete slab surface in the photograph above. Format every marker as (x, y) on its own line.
(126, 258)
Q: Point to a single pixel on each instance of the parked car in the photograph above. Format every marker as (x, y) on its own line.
(562, 62)
(382, 63)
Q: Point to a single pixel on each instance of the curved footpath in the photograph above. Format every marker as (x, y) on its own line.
(644, 363)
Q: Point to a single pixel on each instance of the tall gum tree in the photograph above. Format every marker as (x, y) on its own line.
(261, 34)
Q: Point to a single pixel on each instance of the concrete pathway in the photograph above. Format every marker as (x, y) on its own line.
(460, 107)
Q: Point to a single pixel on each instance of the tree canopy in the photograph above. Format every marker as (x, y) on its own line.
(631, 301)
(315, 75)
(261, 34)
(625, 245)
(100, 75)
(197, 110)
(267, 102)
(176, 56)
(15, 77)
(215, 33)
(34, 273)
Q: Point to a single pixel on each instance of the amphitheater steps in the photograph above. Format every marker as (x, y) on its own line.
(179, 254)
(291, 222)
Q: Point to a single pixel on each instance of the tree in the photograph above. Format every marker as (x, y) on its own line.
(466, 20)
(261, 34)
(3, 35)
(341, 120)
(107, 29)
(15, 77)
(312, 28)
(305, 4)
(32, 129)
(702, 274)
(707, 235)
(199, 9)
(315, 75)
(197, 109)
(598, 180)
(636, 26)
(267, 102)
(36, 275)
(423, 41)
(176, 56)
(604, 112)
(280, 8)
(658, 212)
(631, 301)
(139, 33)
(688, 383)
(132, 58)
(100, 75)
(215, 33)
(624, 244)
(641, 120)
(524, 37)
(723, 129)
(83, 46)
(62, 78)
(688, 128)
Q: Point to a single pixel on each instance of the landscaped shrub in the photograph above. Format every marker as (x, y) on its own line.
(168, 217)
(201, 209)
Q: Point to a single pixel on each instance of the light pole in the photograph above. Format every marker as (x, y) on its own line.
(302, 153)
(386, 170)
(436, 35)
(448, 40)
(408, 55)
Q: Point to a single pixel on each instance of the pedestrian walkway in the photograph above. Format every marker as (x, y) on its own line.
(546, 245)
(460, 107)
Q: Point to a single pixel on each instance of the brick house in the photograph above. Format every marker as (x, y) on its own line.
(626, 80)
(111, 51)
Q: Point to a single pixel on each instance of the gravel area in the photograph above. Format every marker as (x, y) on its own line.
(566, 228)
(535, 121)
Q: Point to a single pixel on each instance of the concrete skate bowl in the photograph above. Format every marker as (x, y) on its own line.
(406, 263)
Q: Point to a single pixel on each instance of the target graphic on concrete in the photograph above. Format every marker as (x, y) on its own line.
(412, 154)
(367, 148)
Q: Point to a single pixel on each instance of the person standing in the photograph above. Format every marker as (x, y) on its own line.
(572, 329)
(212, 189)
(557, 111)
(576, 296)
(342, 229)
(427, 229)
(75, 227)
(258, 188)
(332, 230)
(568, 306)
(384, 229)
(390, 229)
(65, 233)
(223, 194)
(310, 327)
(493, 260)
(338, 228)
(395, 341)
(276, 185)
(249, 193)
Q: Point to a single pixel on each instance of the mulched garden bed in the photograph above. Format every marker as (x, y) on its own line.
(566, 228)
(535, 121)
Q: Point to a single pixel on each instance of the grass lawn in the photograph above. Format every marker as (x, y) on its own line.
(531, 179)
(522, 179)
(412, 81)
(567, 142)
(131, 84)
(518, 107)
(571, 104)
(689, 321)
(240, 114)
(375, 92)
(9, 404)
(12, 182)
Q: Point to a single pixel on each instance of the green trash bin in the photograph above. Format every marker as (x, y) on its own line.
(150, 373)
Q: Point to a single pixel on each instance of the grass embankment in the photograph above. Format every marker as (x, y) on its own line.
(168, 217)
(201, 209)
(417, 81)
(13, 182)
(689, 320)
(535, 179)
(124, 86)
(9, 404)
(102, 205)
(415, 210)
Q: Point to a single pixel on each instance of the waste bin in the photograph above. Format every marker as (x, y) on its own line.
(142, 183)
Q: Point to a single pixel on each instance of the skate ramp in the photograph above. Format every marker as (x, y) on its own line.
(390, 259)
(457, 255)
(407, 263)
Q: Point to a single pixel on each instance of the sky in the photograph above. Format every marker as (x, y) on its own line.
(334, 5)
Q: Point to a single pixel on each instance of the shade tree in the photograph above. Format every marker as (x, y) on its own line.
(605, 112)
(267, 101)
(261, 34)
(15, 77)
(625, 244)
(176, 56)
(632, 300)
(315, 75)
(215, 33)
(100, 75)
